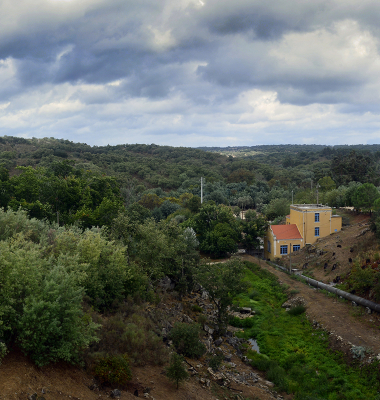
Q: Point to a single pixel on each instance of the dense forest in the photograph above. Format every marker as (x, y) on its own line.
(99, 227)
(53, 178)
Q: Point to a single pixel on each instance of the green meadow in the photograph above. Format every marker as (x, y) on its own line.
(294, 355)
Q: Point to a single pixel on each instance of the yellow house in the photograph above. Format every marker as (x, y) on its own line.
(281, 240)
(312, 222)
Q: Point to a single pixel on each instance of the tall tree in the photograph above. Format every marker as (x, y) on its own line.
(365, 196)
(222, 281)
(253, 228)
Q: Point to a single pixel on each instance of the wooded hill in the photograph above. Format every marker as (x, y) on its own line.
(99, 227)
(262, 177)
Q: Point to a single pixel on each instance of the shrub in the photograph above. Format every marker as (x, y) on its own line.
(196, 308)
(254, 295)
(297, 310)
(51, 329)
(216, 361)
(262, 364)
(133, 335)
(277, 375)
(242, 323)
(358, 352)
(176, 371)
(186, 339)
(113, 369)
(202, 319)
(3, 351)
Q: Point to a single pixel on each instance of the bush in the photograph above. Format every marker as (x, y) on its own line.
(216, 361)
(176, 371)
(134, 336)
(263, 364)
(202, 319)
(185, 338)
(254, 295)
(297, 310)
(114, 370)
(53, 326)
(196, 308)
(277, 375)
(242, 323)
(3, 351)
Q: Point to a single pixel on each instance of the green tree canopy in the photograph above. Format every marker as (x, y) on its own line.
(365, 196)
(222, 281)
(326, 184)
(253, 227)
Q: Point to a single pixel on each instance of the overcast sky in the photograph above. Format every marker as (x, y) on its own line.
(191, 72)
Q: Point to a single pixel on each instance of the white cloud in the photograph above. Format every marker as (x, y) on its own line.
(190, 72)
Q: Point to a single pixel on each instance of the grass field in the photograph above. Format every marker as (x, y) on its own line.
(294, 355)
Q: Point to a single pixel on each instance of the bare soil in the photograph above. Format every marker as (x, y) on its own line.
(20, 378)
(337, 251)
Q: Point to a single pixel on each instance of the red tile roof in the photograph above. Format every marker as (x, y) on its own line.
(286, 231)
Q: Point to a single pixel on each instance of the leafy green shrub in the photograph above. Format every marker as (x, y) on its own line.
(113, 369)
(294, 359)
(215, 361)
(202, 319)
(263, 364)
(196, 308)
(52, 330)
(254, 295)
(176, 371)
(297, 310)
(3, 351)
(185, 338)
(277, 375)
(133, 335)
(242, 323)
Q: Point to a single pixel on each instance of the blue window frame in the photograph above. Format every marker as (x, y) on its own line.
(316, 231)
(269, 249)
(284, 249)
(296, 247)
(316, 217)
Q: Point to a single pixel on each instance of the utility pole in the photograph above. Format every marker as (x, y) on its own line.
(290, 259)
(317, 194)
(292, 196)
(201, 190)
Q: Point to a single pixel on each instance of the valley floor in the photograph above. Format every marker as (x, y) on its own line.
(350, 323)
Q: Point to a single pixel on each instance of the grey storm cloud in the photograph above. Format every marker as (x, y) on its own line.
(196, 68)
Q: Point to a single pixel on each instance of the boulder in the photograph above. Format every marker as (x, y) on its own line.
(115, 393)
(166, 284)
(294, 302)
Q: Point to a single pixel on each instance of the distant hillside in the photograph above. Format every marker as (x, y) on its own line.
(154, 166)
